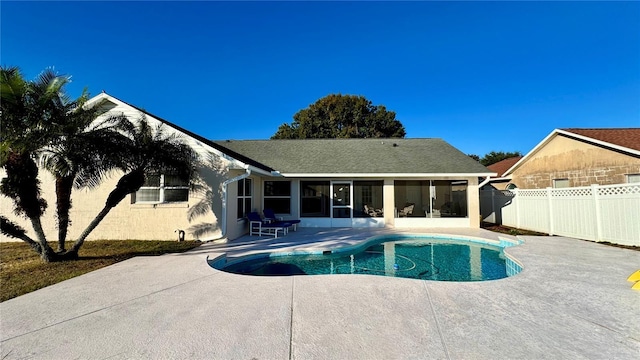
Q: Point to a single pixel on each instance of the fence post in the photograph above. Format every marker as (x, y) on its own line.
(517, 203)
(493, 206)
(596, 203)
(550, 210)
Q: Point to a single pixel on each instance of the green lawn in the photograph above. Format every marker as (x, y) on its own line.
(22, 271)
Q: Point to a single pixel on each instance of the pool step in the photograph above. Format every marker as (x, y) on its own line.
(635, 278)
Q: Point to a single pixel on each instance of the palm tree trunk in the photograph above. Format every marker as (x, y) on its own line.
(128, 183)
(46, 252)
(94, 223)
(64, 185)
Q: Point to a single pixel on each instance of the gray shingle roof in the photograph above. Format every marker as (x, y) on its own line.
(357, 156)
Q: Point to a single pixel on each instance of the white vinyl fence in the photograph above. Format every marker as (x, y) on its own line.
(599, 213)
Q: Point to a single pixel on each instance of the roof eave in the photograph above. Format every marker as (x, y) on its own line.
(599, 142)
(557, 132)
(383, 175)
(219, 150)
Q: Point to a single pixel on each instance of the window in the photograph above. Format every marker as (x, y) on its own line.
(244, 197)
(633, 178)
(367, 199)
(314, 199)
(277, 196)
(431, 198)
(560, 183)
(161, 188)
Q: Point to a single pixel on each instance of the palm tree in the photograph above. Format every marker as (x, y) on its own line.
(148, 150)
(40, 121)
(83, 152)
(25, 108)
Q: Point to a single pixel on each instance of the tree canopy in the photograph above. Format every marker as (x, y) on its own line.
(342, 116)
(494, 157)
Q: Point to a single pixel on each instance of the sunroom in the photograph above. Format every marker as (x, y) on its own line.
(362, 202)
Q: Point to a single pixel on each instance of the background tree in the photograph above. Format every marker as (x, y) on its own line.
(342, 116)
(494, 157)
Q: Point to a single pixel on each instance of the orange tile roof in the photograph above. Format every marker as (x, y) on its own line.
(627, 137)
(502, 166)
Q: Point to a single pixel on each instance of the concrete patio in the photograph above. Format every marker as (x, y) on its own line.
(571, 301)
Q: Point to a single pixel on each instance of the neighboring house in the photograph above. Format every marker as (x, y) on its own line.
(579, 157)
(500, 182)
(323, 182)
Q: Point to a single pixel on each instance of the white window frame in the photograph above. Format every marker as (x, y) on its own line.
(633, 178)
(561, 182)
(245, 196)
(161, 189)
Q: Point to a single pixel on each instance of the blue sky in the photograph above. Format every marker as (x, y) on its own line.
(483, 76)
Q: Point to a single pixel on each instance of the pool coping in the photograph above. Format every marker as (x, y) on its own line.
(513, 266)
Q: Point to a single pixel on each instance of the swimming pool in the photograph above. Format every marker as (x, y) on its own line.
(415, 257)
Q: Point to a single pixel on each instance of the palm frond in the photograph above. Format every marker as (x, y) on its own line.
(10, 229)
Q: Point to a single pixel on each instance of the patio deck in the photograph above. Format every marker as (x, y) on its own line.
(571, 300)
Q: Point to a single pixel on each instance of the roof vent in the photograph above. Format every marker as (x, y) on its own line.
(395, 145)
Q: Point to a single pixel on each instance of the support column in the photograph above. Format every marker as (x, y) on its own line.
(389, 202)
(473, 202)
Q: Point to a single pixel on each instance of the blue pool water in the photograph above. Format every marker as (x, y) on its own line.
(415, 258)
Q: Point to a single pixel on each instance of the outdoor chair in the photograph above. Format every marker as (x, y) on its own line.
(407, 210)
(261, 227)
(372, 212)
(271, 216)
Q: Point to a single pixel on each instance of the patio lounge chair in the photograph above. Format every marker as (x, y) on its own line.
(372, 211)
(261, 227)
(271, 216)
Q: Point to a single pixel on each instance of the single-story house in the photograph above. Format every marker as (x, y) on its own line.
(499, 182)
(323, 182)
(577, 157)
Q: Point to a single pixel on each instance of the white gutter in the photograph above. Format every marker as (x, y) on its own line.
(484, 182)
(490, 179)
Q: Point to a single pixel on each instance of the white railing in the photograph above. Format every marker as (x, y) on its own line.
(599, 213)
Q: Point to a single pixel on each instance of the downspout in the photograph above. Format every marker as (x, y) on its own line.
(223, 216)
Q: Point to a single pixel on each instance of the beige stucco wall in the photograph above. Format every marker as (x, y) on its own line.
(582, 163)
(125, 221)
